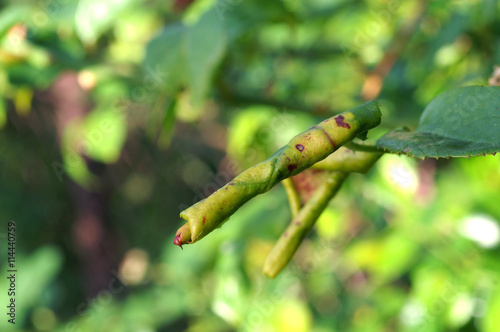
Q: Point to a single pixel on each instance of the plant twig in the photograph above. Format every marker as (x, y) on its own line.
(293, 197)
(303, 151)
(363, 147)
(300, 226)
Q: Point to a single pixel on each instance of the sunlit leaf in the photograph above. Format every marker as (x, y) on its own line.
(458, 123)
(188, 54)
(103, 135)
(93, 17)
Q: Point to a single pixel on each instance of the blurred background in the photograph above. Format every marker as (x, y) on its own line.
(115, 116)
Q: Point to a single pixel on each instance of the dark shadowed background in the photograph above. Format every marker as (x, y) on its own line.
(117, 115)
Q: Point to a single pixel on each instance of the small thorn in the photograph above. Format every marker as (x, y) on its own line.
(178, 241)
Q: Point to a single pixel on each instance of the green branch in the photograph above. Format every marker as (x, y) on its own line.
(348, 160)
(303, 151)
(293, 196)
(363, 147)
(339, 164)
(300, 226)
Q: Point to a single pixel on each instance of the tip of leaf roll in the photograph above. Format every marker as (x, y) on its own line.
(178, 240)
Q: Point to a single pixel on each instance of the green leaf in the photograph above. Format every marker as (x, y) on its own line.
(100, 136)
(205, 46)
(189, 54)
(166, 53)
(458, 123)
(103, 134)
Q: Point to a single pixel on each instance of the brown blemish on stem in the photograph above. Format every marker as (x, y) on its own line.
(328, 136)
(292, 167)
(299, 147)
(204, 220)
(340, 122)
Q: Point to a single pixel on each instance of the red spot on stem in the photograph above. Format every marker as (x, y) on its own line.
(299, 147)
(340, 122)
(178, 241)
(204, 220)
(328, 136)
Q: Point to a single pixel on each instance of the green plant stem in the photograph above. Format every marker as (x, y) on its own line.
(300, 226)
(293, 197)
(349, 160)
(363, 147)
(303, 151)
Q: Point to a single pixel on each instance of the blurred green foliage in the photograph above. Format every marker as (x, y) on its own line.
(183, 95)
